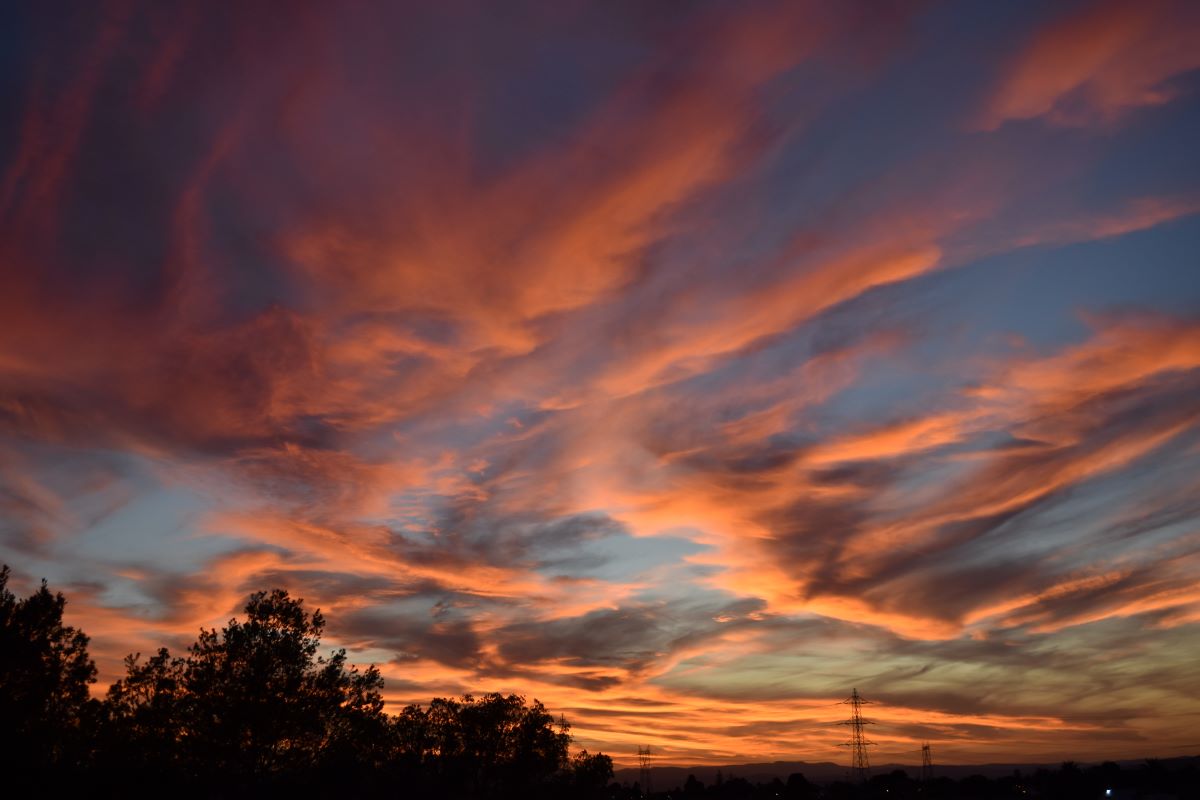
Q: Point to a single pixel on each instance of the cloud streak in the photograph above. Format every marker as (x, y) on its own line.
(680, 369)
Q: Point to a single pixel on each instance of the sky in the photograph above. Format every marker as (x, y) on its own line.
(684, 365)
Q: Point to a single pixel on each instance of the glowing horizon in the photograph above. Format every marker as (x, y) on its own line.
(681, 367)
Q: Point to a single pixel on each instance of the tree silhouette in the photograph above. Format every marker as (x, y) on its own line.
(44, 675)
(490, 746)
(590, 774)
(143, 719)
(250, 702)
(797, 786)
(252, 709)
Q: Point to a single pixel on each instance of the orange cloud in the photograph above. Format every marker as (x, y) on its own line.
(1101, 60)
(605, 416)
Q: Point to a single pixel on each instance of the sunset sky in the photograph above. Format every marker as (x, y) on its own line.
(683, 365)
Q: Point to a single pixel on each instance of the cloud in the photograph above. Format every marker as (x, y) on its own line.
(678, 369)
(1100, 60)
(1088, 420)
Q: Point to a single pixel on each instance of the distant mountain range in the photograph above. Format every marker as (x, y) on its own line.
(666, 777)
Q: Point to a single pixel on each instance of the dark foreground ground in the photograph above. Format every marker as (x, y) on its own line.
(1150, 780)
(1153, 779)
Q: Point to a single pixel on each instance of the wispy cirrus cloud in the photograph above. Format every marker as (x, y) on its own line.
(598, 358)
(1096, 62)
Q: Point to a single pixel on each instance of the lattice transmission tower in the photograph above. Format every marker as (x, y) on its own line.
(644, 761)
(926, 763)
(860, 765)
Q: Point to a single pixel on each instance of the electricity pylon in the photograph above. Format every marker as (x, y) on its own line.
(644, 761)
(860, 765)
(926, 763)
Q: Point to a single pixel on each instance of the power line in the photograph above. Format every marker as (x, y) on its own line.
(860, 765)
(644, 761)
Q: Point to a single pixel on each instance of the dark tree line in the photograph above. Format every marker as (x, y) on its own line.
(253, 709)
